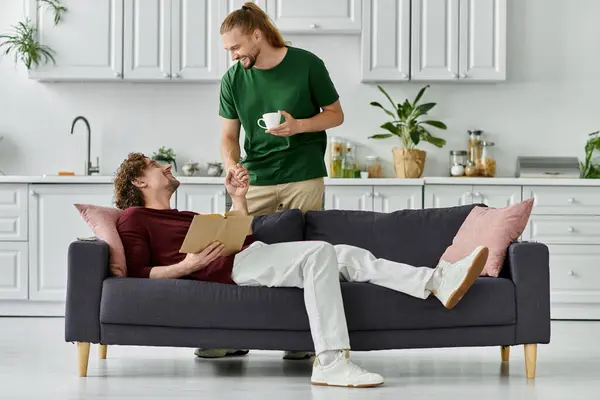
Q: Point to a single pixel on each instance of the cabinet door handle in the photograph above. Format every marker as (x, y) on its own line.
(404, 76)
(571, 200)
(32, 193)
(463, 76)
(368, 194)
(222, 193)
(571, 273)
(118, 74)
(313, 26)
(571, 229)
(165, 75)
(377, 194)
(477, 194)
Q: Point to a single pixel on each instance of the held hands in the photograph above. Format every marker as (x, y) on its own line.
(290, 127)
(237, 181)
(196, 261)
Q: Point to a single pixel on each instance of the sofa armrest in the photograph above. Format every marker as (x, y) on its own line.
(88, 266)
(529, 267)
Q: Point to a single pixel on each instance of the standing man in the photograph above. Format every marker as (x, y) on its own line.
(286, 163)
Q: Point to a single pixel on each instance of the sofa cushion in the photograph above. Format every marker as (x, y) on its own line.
(415, 237)
(282, 226)
(495, 228)
(194, 304)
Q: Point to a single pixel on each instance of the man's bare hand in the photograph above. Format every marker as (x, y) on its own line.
(196, 261)
(237, 181)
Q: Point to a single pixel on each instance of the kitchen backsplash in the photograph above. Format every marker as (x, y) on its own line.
(547, 106)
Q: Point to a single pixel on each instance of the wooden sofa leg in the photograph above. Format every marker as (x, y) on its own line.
(530, 360)
(102, 349)
(505, 353)
(83, 355)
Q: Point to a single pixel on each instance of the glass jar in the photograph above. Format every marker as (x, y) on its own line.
(470, 169)
(374, 167)
(336, 156)
(474, 147)
(458, 162)
(487, 165)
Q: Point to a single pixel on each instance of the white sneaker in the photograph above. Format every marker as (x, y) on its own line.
(343, 372)
(456, 278)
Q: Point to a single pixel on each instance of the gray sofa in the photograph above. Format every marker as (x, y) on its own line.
(511, 310)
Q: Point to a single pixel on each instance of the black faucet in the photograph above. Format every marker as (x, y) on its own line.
(89, 169)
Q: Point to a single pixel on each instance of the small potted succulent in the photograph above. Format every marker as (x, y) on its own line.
(165, 156)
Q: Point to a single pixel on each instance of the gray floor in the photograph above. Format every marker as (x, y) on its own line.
(36, 363)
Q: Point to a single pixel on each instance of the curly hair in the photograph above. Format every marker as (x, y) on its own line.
(126, 193)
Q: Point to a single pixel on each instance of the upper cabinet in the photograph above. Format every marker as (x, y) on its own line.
(316, 16)
(171, 40)
(132, 40)
(435, 38)
(450, 40)
(87, 43)
(385, 42)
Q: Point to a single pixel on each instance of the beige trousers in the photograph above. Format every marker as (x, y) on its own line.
(304, 195)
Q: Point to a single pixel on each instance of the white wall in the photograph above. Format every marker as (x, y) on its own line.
(547, 106)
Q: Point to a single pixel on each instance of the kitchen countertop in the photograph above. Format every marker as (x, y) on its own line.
(99, 179)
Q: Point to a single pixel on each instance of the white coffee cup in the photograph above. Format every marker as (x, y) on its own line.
(270, 120)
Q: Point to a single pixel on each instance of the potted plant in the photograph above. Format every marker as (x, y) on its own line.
(408, 124)
(165, 156)
(590, 169)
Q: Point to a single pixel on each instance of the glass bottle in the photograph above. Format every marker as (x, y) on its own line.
(488, 162)
(474, 149)
(349, 167)
(374, 167)
(336, 154)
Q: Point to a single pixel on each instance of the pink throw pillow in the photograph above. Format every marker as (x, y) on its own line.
(103, 222)
(495, 228)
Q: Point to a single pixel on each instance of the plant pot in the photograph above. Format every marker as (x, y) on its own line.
(408, 163)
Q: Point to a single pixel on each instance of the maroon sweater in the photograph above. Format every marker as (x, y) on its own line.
(152, 238)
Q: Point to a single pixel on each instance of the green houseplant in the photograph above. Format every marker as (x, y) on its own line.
(590, 168)
(23, 42)
(409, 125)
(165, 156)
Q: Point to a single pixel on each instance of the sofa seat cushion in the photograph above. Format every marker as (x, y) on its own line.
(193, 304)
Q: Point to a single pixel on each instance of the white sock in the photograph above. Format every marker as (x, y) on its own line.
(327, 357)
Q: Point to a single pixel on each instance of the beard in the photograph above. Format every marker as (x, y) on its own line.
(249, 59)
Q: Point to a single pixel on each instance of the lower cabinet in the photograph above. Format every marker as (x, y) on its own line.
(14, 273)
(54, 223)
(442, 196)
(373, 198)
(203, 199)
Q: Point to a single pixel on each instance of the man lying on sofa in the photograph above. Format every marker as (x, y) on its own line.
(152, 233)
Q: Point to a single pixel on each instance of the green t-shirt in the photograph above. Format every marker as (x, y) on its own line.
(300, 85)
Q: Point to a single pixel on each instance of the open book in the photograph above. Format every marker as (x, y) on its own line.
(230, 229)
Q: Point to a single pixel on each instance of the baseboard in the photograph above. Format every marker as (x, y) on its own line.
(574, 311)
(30, 308)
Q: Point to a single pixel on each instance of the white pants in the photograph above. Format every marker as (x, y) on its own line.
(317, 267)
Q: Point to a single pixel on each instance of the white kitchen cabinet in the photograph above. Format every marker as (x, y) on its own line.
(13, 212)
(316, 16)
(54, 223)
(203, 199)
(147, 40)
(440, 196)
(373, 198)
(13, 271)
(357, 198)
(482, 40)
(196, 40)
(172, 40)
(385, 40)
(458, 40)
(393, 198)
(435, 39)
(87, 42)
